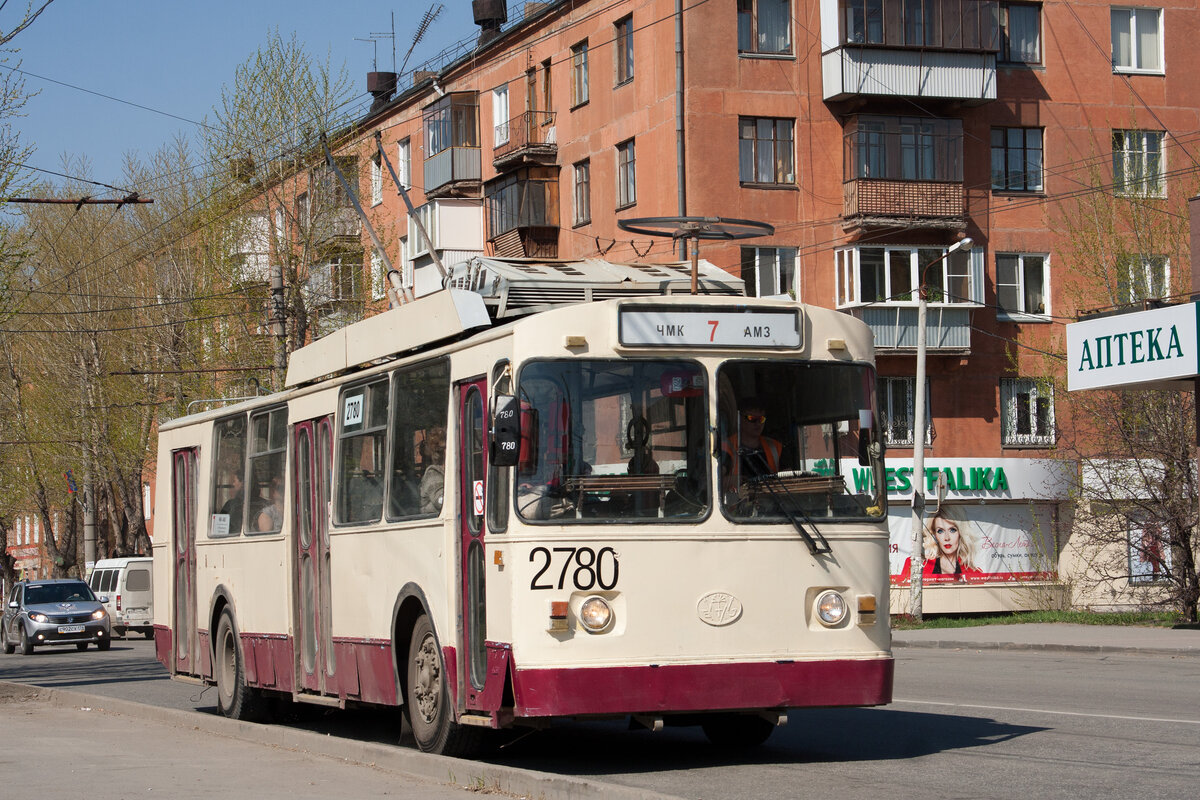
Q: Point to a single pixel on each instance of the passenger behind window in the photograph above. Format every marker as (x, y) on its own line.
(433, 482)
(270, 518)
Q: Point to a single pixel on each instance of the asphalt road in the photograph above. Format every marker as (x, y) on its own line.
(967, 723)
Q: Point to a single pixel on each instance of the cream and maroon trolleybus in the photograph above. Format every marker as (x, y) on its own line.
(550, 490)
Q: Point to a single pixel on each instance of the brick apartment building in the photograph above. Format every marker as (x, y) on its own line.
(872, 134)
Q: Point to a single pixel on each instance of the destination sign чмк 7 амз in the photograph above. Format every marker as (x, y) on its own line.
(696, 327)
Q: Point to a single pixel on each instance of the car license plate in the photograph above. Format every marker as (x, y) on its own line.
(70, 629)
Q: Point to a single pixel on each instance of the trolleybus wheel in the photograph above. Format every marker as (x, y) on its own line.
(428, 698)
(235, 698)
(26, 643)
(737, 730)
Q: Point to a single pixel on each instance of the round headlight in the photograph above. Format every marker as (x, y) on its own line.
(98, 614)
(596, 614)
(831, 608)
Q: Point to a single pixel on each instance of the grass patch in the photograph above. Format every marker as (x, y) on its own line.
(1155, 619)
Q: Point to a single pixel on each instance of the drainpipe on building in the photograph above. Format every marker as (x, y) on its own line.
(681, 173)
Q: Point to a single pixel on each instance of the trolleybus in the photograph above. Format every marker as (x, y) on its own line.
(550, 490)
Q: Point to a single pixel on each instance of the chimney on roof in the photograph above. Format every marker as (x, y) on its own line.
(381, 85)
(489, 16)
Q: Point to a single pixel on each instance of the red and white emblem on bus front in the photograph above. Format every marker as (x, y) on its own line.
(719, 608)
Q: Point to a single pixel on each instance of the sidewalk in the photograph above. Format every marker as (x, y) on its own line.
(1060, 637)
(72, 745)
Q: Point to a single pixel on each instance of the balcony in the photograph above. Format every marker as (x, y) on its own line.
(947, 329)
(454, 172)
(532, 140)
(852, 71)
(335, 227)
(871, 203)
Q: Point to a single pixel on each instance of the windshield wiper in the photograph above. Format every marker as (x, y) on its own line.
(785, 500)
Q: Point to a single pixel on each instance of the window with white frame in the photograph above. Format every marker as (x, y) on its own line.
(1138, 168)
(583, 192)
(404, 163)
(1020, 33)
(1017, 159)
(764, 26)
(626, 174)
(1149, 550)
(623, 35)
(1142, 277)
(896, 405)
(891, 275)
(1027, 408)
(1137, 39)
(766, 150)
(579, 74)
(376, 180)
(500, 115)
(1022, 282)
(769, 271)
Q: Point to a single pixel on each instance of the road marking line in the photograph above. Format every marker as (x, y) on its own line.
(1046, 711)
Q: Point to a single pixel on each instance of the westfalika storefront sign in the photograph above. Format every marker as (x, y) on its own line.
(975, 478)
(1141, 347)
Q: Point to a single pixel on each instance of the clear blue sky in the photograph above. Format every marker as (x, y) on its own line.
(174, 56)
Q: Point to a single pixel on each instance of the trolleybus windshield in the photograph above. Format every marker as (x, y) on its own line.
(613, 440)
(798, 441)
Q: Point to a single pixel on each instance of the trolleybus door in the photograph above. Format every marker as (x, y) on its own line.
(183, 507)
(312, 443)
(472, 460)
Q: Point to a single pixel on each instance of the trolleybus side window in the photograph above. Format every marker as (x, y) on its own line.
(417, 486)
(363, 415)
(615, 440)
(796, 441)
(268, 451)
(229, 475)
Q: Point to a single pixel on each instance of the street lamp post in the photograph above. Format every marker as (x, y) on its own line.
(916, 561)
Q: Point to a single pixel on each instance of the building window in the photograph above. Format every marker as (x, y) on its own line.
(1137, 39)
(547, 98)
(1142, 277)
(626, 174)
(1149, 551)
(896, 403)
(769, 271)
(765, 150)
(891, 275)
(1138, 168)
(404, 163)
(623, 34)
(946, 24)
(1021, 283)
(500, 115)
(1028, 413)
(1017, 159)
(764, 26)
(904, 149)
(376, 179)
(579, 74)
(1021, 33)
(583, 192)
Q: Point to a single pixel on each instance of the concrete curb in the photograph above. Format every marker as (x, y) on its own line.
(938, 644)
(470, 775)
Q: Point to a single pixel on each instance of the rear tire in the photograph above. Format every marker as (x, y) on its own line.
(9, 647)
(428, 699)
(148, 633)
(26, 643)
(737, 730)
(81, 646)
(235, 698)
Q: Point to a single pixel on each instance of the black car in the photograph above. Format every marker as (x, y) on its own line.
(51, 612)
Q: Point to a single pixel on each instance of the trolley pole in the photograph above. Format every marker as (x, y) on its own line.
(916, 562)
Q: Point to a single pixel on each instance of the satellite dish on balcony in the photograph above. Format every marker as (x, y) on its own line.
(694, 229)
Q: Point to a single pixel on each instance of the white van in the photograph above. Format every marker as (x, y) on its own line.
(128, 585)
